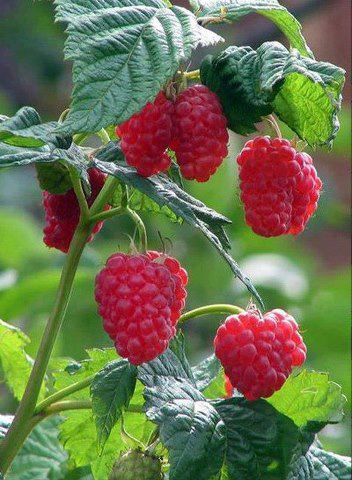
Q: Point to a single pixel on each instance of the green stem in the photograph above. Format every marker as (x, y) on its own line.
(209, 310)
(193, 75)
(142, 232)
(65, 392)
(107, 214)
(104, 196)
(81, 198)
(67, 405)
(21, 425)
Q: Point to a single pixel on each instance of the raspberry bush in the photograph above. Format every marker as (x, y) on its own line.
(139, 409)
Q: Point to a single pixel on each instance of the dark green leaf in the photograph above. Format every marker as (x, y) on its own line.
(206, 372)
(53, 177)
(42, 456)
(257, 436)
(5, 422)
(304, 93)
(82, 473)
(190, 428)
(111, 392)
(232, 10)
(123, 53)
(310, 396)
(164, 192)
(138, 201)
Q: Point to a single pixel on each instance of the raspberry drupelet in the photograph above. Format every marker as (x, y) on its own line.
(200, 134)
(146, 136)
(279, 187)
(62, 213)
(140, 298)
(258, 354)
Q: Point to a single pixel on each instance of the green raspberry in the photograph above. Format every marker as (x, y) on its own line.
(136, 464)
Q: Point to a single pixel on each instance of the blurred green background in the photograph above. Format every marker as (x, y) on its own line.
(308, 275)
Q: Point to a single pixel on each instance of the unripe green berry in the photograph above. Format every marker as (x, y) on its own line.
(136, 464)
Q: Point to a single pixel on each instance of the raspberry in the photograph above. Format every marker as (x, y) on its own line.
(137, 465)
(258, 353)
(228, 387)
(200, 134)
(139, 299)
(279, 187)
(146, 136)
(62, 213)
(180, 278)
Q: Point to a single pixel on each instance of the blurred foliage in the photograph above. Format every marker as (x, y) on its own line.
(290, 273)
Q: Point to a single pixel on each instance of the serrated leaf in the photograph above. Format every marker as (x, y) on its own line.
(123, 53)
(111, 392)
(233, 10)
(165, 192)
(304, 93)
(41, 456)
(206, 372)
(25, 140)
(329, 466)
(309, 396)
(140, 202)
(257, 435)
(15, 364)
(190, 428)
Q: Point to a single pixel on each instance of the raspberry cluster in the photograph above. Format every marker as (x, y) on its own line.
(258, 353)
(200, 134)
(146, 136)
(279, 186)
(140, 298)
(62, 213)
(194, 126)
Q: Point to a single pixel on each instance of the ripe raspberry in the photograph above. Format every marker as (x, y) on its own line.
(200, 134)
(228, 387)
(279, 187)
(146, 136)
(180, 278)
(62, 213)
(258, 353)
(137, 465)
(139, 299)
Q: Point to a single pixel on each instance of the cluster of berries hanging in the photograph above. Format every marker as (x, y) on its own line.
(194, 126)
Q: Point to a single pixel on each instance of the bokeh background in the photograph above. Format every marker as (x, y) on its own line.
(308, 275)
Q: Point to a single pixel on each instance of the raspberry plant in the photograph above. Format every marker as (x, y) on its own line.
(140, 410)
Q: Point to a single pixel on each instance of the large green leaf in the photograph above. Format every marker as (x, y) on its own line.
(25, 140)
(310, 396)
(165, 192)
(111, 392)
(42, 456)
(304, 93)
(123, 53)
(232, 10)
(15, 364)
(206, 372)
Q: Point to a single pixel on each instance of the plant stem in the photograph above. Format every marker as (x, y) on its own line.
(209, 310)
(192, 75)
(81, 198)
(107, 214)
(65, 392)
(142, 232)
(67, 405)
(21, 425)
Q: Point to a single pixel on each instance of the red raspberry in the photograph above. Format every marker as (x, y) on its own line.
(279, 187)
(62, 213)
(146, 136)
(228, 387)
(200, 134)
(258, 353)
(180, 278)
(137, 298)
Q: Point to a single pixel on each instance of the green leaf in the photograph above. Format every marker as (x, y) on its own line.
(140, 202)
(123, 53)
(41, 456)
(190, 428)
(304, 93)
(309, 396)
(54, 177)
(25, 140)
(82, 473)
(165, 192)
(111, 392)
(257, 436)
(15, 364)
(233, 10)
(206, 372)
(5, 422)
(329, 466)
